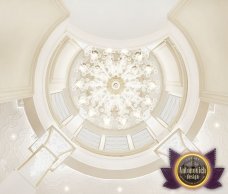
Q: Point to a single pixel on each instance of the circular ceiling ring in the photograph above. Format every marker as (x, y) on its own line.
(45, 114)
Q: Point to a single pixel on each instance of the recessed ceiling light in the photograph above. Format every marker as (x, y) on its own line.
(66, 188)
(13, 136)
(119, 189)
(217, 125)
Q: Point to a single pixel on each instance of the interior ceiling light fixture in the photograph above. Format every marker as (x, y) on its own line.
(115, 89)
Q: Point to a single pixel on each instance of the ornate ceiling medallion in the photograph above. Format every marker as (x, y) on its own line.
(115, 89)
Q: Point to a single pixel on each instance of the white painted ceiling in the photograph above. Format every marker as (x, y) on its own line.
(145, 18)
(13, 121)
(119, 19)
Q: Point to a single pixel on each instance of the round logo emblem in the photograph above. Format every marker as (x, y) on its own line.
(192, 170)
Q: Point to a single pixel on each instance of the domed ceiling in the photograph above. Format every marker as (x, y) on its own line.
(119, 19)
(115, 85)
(120, 102)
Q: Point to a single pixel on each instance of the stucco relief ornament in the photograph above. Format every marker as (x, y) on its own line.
(192, 171)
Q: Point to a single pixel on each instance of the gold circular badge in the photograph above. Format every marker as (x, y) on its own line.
(192, 170)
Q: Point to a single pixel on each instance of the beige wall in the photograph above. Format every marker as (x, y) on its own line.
(24, 26)
(204, 22)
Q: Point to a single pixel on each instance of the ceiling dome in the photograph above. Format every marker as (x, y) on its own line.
(106, 88)
(119, 102)
(118, 19)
